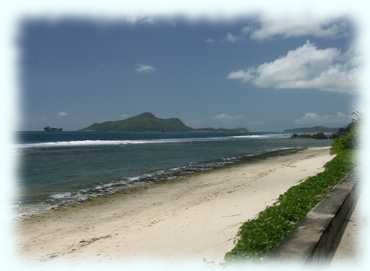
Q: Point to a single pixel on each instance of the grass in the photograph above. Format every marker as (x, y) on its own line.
(261, 235)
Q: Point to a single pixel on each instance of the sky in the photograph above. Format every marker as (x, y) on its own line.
(257, 72)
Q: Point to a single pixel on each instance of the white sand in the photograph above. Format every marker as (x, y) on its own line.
(197, 217)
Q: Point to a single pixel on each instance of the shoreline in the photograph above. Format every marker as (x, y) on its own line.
(145, 181)
(195, 216)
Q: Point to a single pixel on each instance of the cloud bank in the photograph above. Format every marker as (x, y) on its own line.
(296, 26)
(306, 67)
(266, 27)
(226, 120)
(338, 119)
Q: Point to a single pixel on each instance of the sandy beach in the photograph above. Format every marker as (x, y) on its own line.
(195, 217)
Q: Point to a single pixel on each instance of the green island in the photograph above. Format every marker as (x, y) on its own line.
(148, 122)
(259, 236)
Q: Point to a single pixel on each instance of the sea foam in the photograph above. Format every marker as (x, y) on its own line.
(149, 141)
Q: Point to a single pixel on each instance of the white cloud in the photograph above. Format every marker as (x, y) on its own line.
(144, 68)
(241, 75)
(306, 67)
(244, 32)
(232, 38)
(310, 118)
(62, 114)
(209, 40)
(227, 117)
(296, 26)
(141, 20)
(246, 29)
(290, 26)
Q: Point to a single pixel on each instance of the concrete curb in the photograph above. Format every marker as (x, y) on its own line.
(318, 236)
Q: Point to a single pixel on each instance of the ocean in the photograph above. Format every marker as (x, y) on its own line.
(59, 168)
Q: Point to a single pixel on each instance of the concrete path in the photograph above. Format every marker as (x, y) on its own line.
(347, 248)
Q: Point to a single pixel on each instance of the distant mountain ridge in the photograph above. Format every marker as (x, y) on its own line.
(148, 122)
(314, 129)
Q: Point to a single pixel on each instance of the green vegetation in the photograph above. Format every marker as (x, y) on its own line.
(140, 123)
(147, 122)
(347, 139)
(261, 235)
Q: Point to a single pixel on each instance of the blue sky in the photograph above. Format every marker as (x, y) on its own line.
(261, 73)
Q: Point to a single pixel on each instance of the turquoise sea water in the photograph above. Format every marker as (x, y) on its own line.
(64, 167)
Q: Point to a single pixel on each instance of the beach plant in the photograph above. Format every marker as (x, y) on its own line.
(259, 236)
(347, 140)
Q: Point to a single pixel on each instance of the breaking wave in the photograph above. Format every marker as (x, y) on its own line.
(77, 143)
